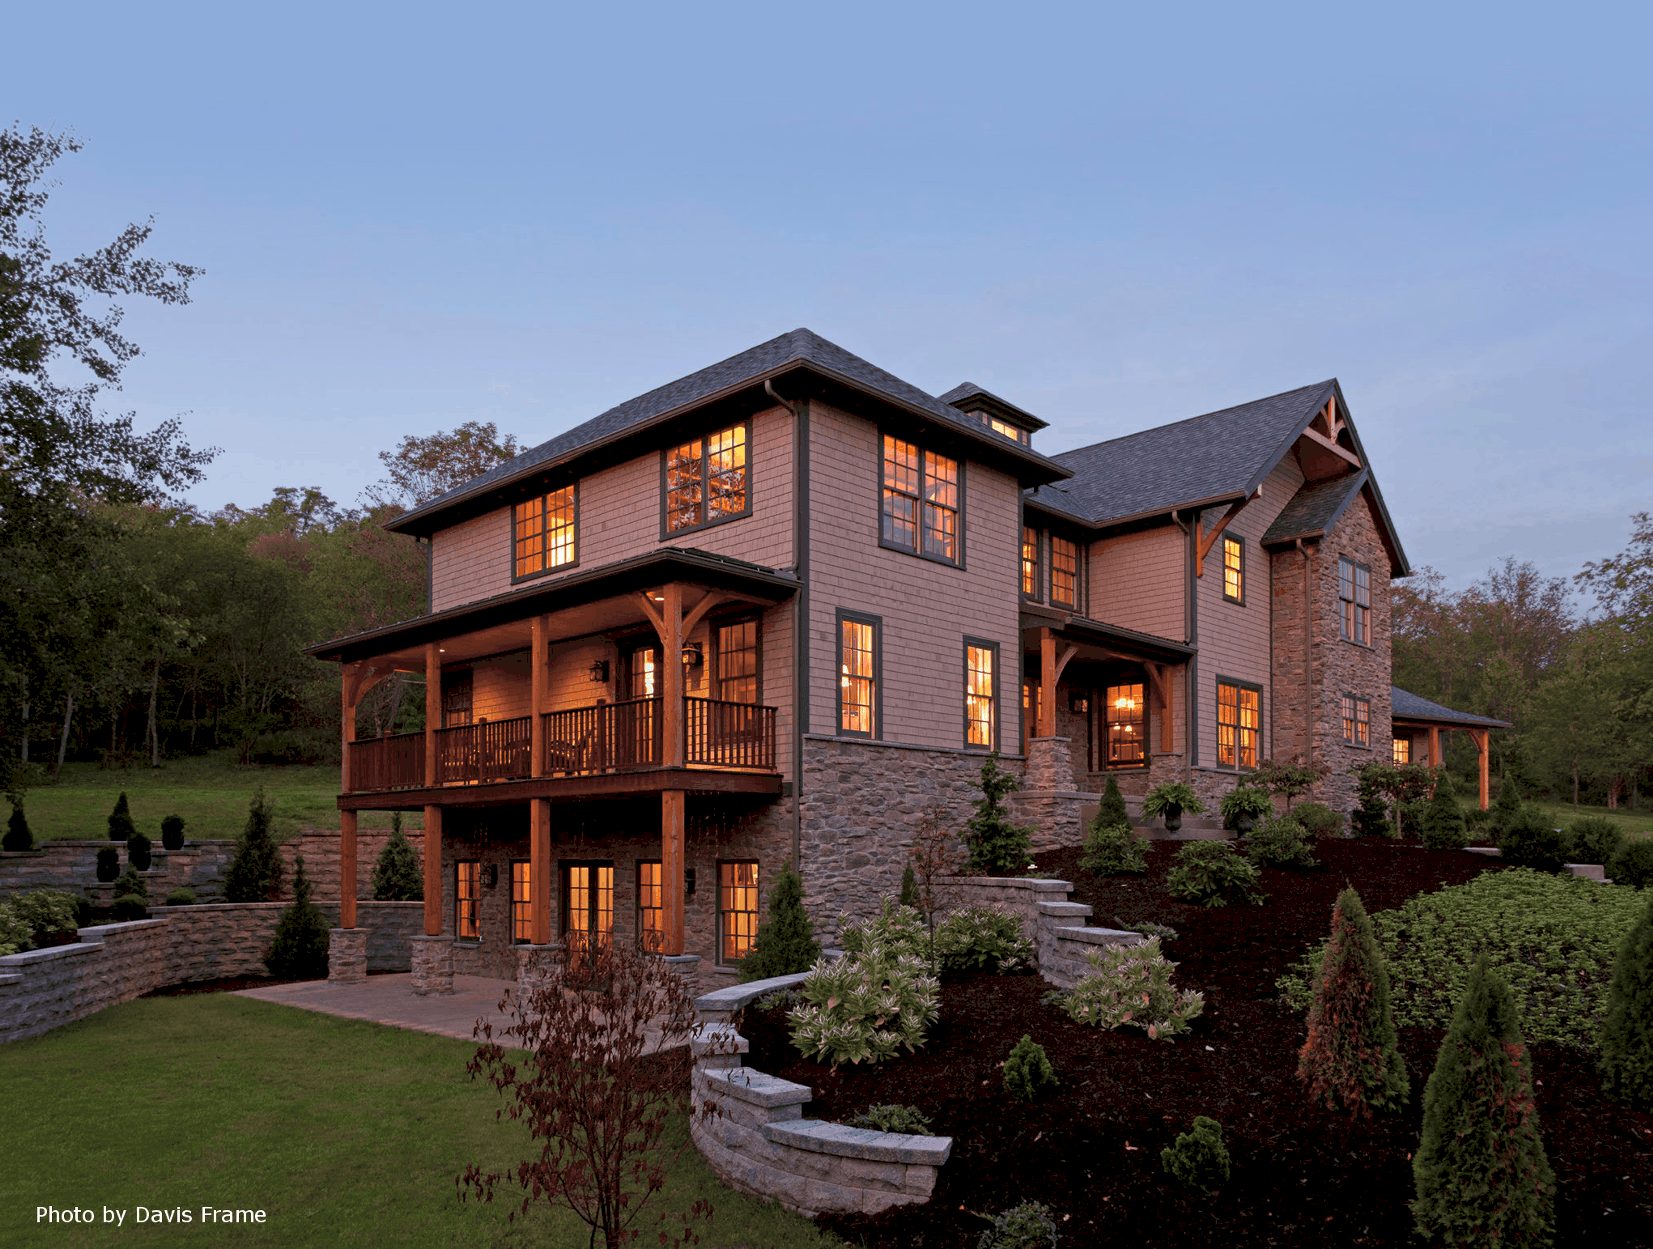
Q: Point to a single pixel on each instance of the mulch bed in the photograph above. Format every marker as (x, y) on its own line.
(1091, 1151)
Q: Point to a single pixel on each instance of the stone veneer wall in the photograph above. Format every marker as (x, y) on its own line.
(113, 963)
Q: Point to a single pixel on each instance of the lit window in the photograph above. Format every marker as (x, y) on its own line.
(1030, 562)
(1233, 569)
(706, 479)
(1403, 750)
(737, 908)
(587, 905)
(1127, 712)
(522, 898)
(1239, 720)
(1357, 720)
(979, 694)
(857, 677)
(651, 906)
(1064, 572)
(1354, 589)
(1014, 432)
(545, 532)
(921, 501)
(466, 892)
(737, 662)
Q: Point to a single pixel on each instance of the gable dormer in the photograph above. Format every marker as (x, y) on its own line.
(999, 415)
(1326, 447)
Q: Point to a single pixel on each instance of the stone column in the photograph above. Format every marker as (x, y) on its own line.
(535, 963)
(432, 965)
(347, 955)
(1049, 765)
(685, 965)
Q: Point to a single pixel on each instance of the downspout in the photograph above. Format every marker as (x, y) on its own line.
(1308, 644)
(800, 609)
(1191, 635)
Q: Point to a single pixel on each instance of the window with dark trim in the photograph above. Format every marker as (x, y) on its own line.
(587, 904)
(1403, 750)
(981, 690)
(1064, 572)
(737, 909)
(651, 905)
(1354, 590)
(467, 892)
(1005, 429)
(1357, 720)
(1239, 723)
(1127, 719)
(456, 698)
(858, 675)
(1233, 569)
(544, 529)
(704, 481)
(922, 502)
(737, 662)
(522, 901)
(1030, 564)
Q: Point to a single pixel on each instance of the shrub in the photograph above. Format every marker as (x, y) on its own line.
(909, 888)
(1198, 1159)
(1172, 799)
(1113, 851)
(1480, 1170)
(997, 846)
(137, 852)
(109, 864)
(172, 832)
(1351, 1059)
(896, 928)
(131, 885)
(396, 875)
(15, 934)
(1530, 841)
(1443, 826)
(1111, 810)
(1506, 807)
(785, 944)
(1027, 1072)
(1371, 817)
(864, 1008)
(47, 912)
(1282, 843)
(1211, 872)
(120, 820)
(983, 938)
(1130, 986)
(1287, 779)
(1027, 1226)
(254, 874)
(1319, 819)
(1245, 801)
(907, 1120)
(1594, 840)
(129, 907)
(18, 836)
(1626, 1036)
(299, 948)
(1633, 864)
(181, 896)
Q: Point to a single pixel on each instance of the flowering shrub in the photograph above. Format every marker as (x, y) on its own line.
(1130, 986)
(983, 938)
(865, 1007)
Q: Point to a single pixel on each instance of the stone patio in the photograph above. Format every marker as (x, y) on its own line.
(390, 1000)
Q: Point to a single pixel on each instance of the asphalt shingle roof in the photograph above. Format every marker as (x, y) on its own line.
(1314, 508)
(969, 390)
(1406, 704)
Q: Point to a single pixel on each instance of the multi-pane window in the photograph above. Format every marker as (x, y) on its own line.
(706, 479)
(1239, 721)
(456, 698)
(1403, 750)
(587, 905)
(857, 676)
(1233, 569)
(1127, 719)
(644, 666)
(1064, 572)
(980, 660)
(651, 906)
(467, 890)
(737, 909)
(1030, 562)
(545, 533)
(522, 901)
(737, 662)
(1357, 720)
(1354, 589)
(1005, 428)
(921, 501)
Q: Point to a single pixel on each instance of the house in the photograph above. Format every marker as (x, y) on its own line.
(779, 610)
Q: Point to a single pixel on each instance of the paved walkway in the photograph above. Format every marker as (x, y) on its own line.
(390, 1000)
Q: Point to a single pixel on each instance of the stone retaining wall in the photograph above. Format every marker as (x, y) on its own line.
(1057, 926)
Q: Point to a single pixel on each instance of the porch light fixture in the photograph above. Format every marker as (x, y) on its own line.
(692, 658)
(599, 671)
(1079, 704)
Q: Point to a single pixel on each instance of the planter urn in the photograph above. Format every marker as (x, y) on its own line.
(1173, 819)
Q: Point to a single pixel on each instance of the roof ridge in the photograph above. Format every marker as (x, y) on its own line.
(1189, 420)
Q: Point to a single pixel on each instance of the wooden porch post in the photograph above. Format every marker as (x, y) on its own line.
(1047, 683)
(536, 708)
(671, 869)
(671, 686)
(433, 711)
(348, 721)
(347, 869)
(1434, 746)
(433, 871)
(1483, 745)
(539, 869)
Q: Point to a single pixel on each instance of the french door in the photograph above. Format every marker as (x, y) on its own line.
(587, 906)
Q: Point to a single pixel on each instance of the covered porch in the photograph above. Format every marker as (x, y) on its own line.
(1417, 725)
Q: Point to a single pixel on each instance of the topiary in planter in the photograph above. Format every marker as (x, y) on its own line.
(254, 874)
(1595, 840)
(137, 852)
(1530, 840)
(1633, 864)
(172, 832)
(1443, 821)
(1626, 1036)
(1171, 800)
(785, 944)
(109, 864)
(121, 826)
(1211, 873)
(299, 948)
(18, 836)
(1027, 1072)
(1198, 1159)
(397, 876)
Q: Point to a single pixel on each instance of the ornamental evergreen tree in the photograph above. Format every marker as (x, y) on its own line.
(1626, 1037)
(397, 876)
(909, 888)
(1111, 813)
(1506, 808)
(1351, 1059)
(997, 846)
(121, 826)
(1481, 1173)
(1443, 820)
(785, 944)
(255, 872)
(298, 950)
(18, 836)
(172, 832)
(138, 851)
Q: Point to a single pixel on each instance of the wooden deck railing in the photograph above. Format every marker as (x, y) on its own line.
(494, 750)
(613, 737)
(730, 735)
(396, 762)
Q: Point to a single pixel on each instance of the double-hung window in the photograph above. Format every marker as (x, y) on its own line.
(705, 480)
(1127, 719)
(1233, 569)
(1064, 573)
(1239, 723)
(920, 511)
(522, 901)
(1030, 563)
(467, 893)
(545, 533)
(1357, 721)
(981, 694)
(857, 675)
(737, 909)
(737, 662)
(651, 906)
(1354, 592)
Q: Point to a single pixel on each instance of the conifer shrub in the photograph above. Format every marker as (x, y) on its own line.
(1198, 1158)
(18, 835)
(1626, 1037)
(1130, 987)
(1351, 1059)
(109, 864)
(1529, 840)
(138, 852)
(120, 820)
(1282, 842)
(998, 846)
(907, 1120)
(1027, 1226)
(1506, 808)
(181, 896)
(1318, 818)
(1594, 840)
(172, 832)
(1211, 873)
(254, 873)
(1113, 850)
(298, 950)
(1027, 1072)
(909, 888)
(131, 896)
(785, 944)
(1443, 826)
(1481, 1174)
(987, 938)
(397, 876)
(1111, 811)
(1371, 817)
(1633, 864)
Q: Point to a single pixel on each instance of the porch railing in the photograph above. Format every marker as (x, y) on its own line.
(730, 735)
(395, 762)
(494, 750)
(612, 737)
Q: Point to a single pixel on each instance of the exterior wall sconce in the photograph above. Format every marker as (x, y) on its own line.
(1079, 704)
(490, 875)
(599, 671)
(692, 657)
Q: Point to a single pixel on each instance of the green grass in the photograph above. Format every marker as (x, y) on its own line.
(344, 1132)
(1638, 823)
(211, 792)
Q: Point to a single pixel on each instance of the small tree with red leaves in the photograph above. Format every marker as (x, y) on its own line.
(607, 1066)
(1351, 1060)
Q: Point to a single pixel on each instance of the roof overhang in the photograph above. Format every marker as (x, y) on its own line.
(1122, 643)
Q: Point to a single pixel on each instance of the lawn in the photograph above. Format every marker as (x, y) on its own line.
(343, 1132)
(1634, 823)
(211, 792)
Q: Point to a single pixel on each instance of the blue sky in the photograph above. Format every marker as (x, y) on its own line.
(1114, 215)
